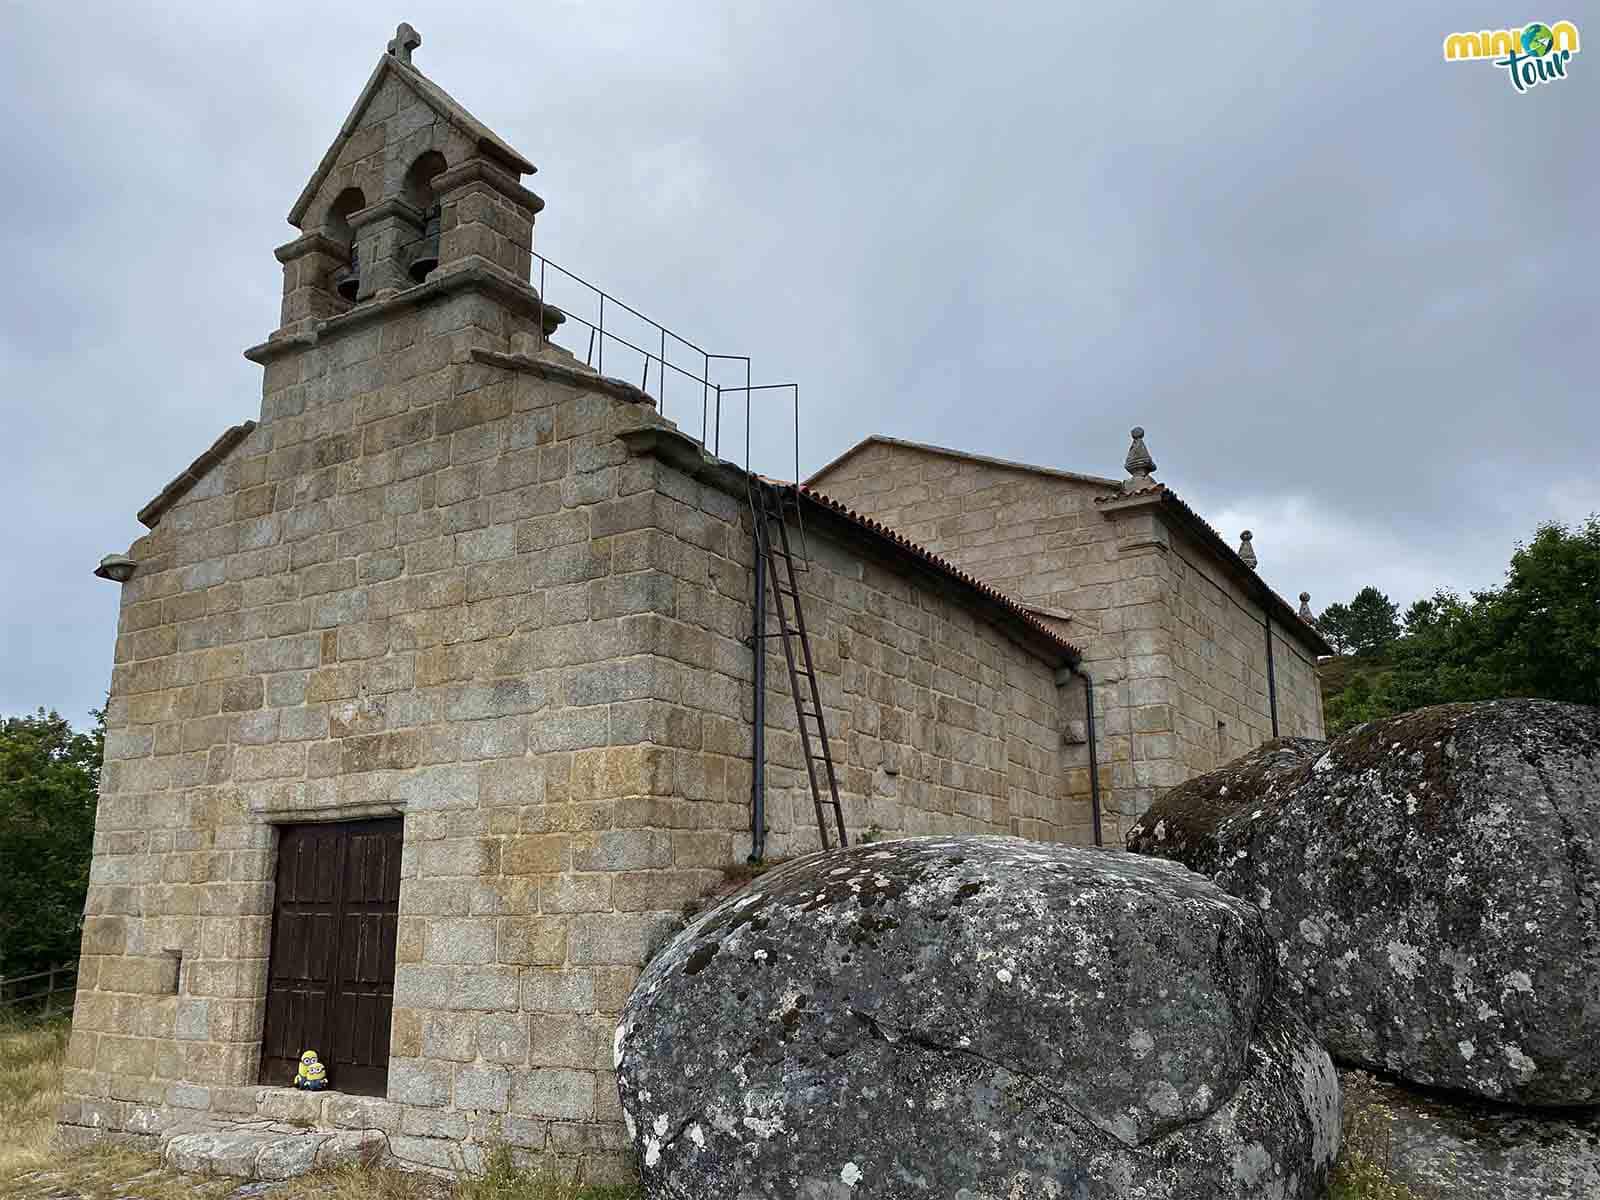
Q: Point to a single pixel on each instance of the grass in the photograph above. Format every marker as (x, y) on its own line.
(31, 1055)
(365, 1183)
(106, 1172)
(32, 1051)
(502, 1179)
(1363, 1171)
(1337, 673)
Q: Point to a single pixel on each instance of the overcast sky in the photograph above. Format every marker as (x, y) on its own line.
(1348, 288)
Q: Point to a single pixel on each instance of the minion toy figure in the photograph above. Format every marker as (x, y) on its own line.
(312, 1076)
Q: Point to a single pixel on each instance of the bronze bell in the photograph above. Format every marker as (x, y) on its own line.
(347, 280)
(426, 257)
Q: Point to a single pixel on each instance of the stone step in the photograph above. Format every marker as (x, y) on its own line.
(268, 1153)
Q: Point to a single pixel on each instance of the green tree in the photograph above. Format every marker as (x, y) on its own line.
(49, 780)
(1538, 635)
(1359, 701)
(1446, 655)
(1334, 624)
(1374, 622)
(1419, 616)
(1545, 622)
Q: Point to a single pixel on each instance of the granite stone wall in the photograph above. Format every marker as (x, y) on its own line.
(1220, 668)
(1034, 535)
(1039, 538)
(1173, 641)
(939, 722)
(405, 592)
(434, 582)
(454, 576)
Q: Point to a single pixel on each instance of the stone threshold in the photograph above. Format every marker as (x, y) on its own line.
(284, 1133)
(266, 1150)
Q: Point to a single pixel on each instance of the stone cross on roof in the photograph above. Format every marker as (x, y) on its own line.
(405, 40)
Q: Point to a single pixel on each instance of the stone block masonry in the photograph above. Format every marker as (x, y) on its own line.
(449, 582)
(456, 577)
(1172, 628)
(486, 614)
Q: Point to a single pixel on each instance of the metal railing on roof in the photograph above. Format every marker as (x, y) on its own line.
(652, 350)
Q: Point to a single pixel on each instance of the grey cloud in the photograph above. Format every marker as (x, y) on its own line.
(1346, 286)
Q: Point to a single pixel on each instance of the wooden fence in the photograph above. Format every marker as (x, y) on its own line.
(38, 992)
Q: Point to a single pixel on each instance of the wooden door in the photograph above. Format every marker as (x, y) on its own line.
(330, 982)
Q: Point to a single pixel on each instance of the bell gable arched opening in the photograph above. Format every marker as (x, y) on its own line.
(346, 280)
(418, 191)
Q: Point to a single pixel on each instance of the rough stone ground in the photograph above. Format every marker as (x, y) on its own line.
(216, 1165)
(77, 1182)
(114, 1172)
(1460, 1149)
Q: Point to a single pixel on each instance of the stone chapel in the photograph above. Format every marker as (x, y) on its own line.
(446, 683)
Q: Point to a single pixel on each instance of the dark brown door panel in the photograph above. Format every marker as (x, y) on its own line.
(330, 984)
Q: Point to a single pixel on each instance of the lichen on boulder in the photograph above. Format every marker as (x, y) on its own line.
(1431, 880)
(976, 1016)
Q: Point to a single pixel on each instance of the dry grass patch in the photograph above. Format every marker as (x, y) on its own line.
(502, 1179)
(365, 1183)
(1363, 1170)
(31, 1055)
(106, 1172)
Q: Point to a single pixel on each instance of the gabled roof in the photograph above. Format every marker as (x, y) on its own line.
(904, 547)
(441, 101)
(880, 440)
(1005, 613)
(150, 514)
(1289, 618)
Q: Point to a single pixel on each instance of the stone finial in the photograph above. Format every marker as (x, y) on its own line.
(1246, 550)
(1306, 615)
(1139, 464)
(405, 40)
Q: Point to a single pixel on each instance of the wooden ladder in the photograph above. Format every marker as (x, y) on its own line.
(767, 505)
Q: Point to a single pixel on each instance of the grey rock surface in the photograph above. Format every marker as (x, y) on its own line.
(217, 1152)
(269, 1153)
(1472, 1150)
(288, 1157)
(1431, 881)
(977, 1017)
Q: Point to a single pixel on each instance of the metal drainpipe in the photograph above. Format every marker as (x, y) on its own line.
(1094, 755)
(1272, 679)
(758, 753)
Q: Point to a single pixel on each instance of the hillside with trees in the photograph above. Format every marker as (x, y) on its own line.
(49, 780)
(1538, 634)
